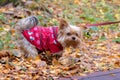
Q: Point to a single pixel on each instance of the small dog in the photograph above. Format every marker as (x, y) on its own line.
(54, 39)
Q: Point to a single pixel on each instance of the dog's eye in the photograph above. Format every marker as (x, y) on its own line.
(76, 34)
(68, 34)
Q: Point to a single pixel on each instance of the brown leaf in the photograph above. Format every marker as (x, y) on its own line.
(4, 53)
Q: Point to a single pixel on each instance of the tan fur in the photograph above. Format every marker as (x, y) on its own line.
(67, 32)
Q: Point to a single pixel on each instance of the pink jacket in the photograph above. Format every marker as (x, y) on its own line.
(43, 38)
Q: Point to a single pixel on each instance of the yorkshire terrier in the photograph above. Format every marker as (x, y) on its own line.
(32, 38)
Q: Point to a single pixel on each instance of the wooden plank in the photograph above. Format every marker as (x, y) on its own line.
(100, 78)
(117, 75)
(105, 75)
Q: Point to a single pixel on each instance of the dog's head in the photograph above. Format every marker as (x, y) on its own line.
(69, 35)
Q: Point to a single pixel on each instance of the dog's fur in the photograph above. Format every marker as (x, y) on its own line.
(68, 35)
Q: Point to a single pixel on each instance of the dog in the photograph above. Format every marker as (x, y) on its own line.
(31, 37)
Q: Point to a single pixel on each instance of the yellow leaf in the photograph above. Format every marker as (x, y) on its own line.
(77, 1)
(55, 62)
(117, 16)
(36, 77)
(101, 11)
(82, 74)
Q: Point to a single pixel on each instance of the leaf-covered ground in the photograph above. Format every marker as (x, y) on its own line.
(100, 49)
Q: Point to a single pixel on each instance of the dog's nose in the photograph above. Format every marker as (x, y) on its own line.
(73, 38)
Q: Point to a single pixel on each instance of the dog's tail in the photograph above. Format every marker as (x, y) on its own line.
(26, 23)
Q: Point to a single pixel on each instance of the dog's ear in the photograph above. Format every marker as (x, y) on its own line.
(63, 24)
